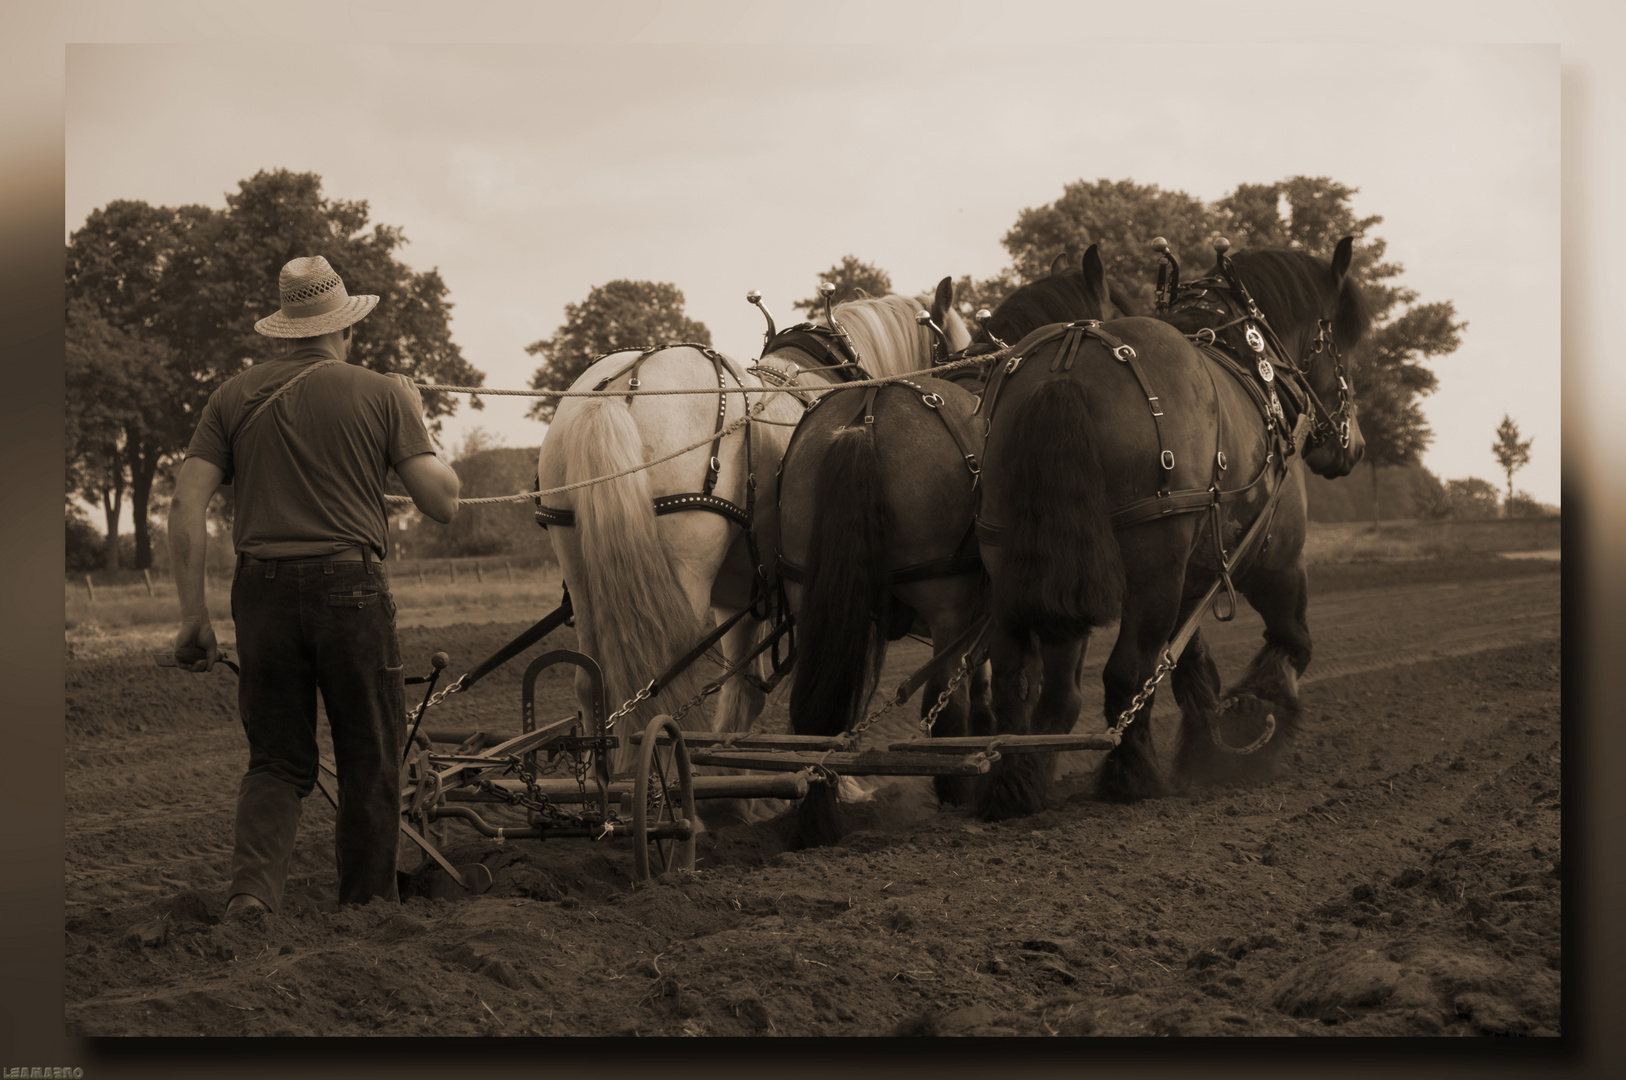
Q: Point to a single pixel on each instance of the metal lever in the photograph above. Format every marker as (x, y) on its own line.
(755, 298)
(939, 338)
(983, 315)
(1168, 274)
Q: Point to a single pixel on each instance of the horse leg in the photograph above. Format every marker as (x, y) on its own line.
(1130, 771)
(1196, 689)
(948, 607)
(1023, 672)
(1270, 685)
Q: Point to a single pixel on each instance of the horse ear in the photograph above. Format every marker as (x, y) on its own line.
(942, 301)
(1342, 255)
(1061, 264)
(1094, 274)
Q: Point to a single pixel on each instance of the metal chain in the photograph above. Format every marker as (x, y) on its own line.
(435, 699)
(1164, 666)
(632, 703)
(930, 718)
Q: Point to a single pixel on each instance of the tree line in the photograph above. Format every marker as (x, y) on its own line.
(162, 301)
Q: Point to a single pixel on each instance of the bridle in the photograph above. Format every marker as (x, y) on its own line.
(1261, 339)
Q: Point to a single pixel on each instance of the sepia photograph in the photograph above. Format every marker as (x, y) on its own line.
(813, 535)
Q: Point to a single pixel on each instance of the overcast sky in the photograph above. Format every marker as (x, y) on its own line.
(529, 174)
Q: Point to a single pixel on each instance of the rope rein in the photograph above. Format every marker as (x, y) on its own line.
(751, 414)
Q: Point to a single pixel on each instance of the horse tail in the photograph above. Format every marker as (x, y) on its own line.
(641, 618)
(1061, 573)
(840, 643)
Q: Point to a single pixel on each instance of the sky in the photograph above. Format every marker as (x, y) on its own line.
(528, 174)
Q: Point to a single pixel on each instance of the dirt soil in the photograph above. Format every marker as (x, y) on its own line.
(1401, 876)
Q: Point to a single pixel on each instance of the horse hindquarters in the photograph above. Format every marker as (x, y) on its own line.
(640, 615)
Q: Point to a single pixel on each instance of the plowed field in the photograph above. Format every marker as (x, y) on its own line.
(1401, 876)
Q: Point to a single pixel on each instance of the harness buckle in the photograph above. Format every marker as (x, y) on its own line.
(716, 466)
(1201, 340)
(1123, 353)
(971, 464)
(1219, 459)
(1167, 459)
(932, 400)
(1010, 365)
(634, 383)
(1156, 409)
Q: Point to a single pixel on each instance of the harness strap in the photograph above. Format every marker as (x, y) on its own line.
(293, 381)
(704, 499)
(820, 341)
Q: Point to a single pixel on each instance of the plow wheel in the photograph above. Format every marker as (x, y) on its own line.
(663, 816)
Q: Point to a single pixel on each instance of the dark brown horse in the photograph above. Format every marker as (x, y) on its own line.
(1124, 464)
(876, 506)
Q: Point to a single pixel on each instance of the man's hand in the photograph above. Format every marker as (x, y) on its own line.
(412, 388)
(195, 645)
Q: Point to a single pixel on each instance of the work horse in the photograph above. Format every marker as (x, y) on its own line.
(656, 560)
(1135, 470)
(876, 503)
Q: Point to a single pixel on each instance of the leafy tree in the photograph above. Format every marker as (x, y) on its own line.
(195, 280)
(1522, 504)
(1470, 498)
(1123, 217)
(852, 278)
(1511, 454)
(118, 386)
(619, 315)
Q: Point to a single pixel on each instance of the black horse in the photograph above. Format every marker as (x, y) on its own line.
(1125, 464)
(876, 505)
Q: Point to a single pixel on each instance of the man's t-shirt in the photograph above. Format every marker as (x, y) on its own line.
(308, 473)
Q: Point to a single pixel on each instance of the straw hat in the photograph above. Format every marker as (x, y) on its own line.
(314, 302)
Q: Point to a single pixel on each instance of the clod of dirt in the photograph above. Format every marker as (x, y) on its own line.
(148, 935)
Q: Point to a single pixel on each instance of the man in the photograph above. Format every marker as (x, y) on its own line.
(305, 440)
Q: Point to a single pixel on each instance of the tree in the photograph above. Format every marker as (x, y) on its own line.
(118, 385)
(1470, 498)
(1511, 454)
(194, 280)
(619, 315)
(1308, 213)
(852, 279)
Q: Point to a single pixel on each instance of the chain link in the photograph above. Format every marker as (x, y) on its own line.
(1164, 666)
(436, 698)
(930, 718)
(632, 703)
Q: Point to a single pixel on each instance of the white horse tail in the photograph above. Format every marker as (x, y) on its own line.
(642, 621)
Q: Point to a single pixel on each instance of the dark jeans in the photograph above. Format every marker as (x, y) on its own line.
(304, 627)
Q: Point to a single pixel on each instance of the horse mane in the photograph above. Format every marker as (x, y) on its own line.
(884, 331)
(1292, 286)
(1052, 299)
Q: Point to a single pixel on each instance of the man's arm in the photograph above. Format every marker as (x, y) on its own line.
(188, 541)
(432, 484)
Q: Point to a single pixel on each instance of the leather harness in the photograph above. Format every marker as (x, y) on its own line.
(1259, 382)
(864, 417)
(697, 500)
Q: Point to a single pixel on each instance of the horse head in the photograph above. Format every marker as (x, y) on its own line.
(1336, 444)
(1319, 313)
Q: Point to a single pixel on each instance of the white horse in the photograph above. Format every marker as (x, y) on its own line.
(646, 588)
